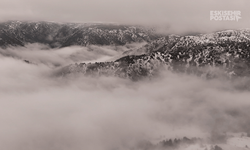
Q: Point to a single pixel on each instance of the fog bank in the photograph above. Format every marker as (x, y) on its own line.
(40, 111)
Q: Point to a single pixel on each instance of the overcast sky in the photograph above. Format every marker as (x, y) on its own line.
(174, 15)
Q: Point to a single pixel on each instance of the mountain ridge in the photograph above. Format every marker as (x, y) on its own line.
(69, 34)
(224, 52)
(228, 51)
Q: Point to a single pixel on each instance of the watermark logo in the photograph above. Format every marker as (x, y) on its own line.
(225, 15)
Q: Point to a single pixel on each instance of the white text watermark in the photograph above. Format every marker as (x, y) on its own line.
(225, 15)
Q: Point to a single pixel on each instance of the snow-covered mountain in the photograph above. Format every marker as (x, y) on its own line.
(221, 53)
(19, 33)
(224, 53)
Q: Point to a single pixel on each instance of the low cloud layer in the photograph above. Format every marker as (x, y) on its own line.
(179, 16)
(42, 54)
(40, 111)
